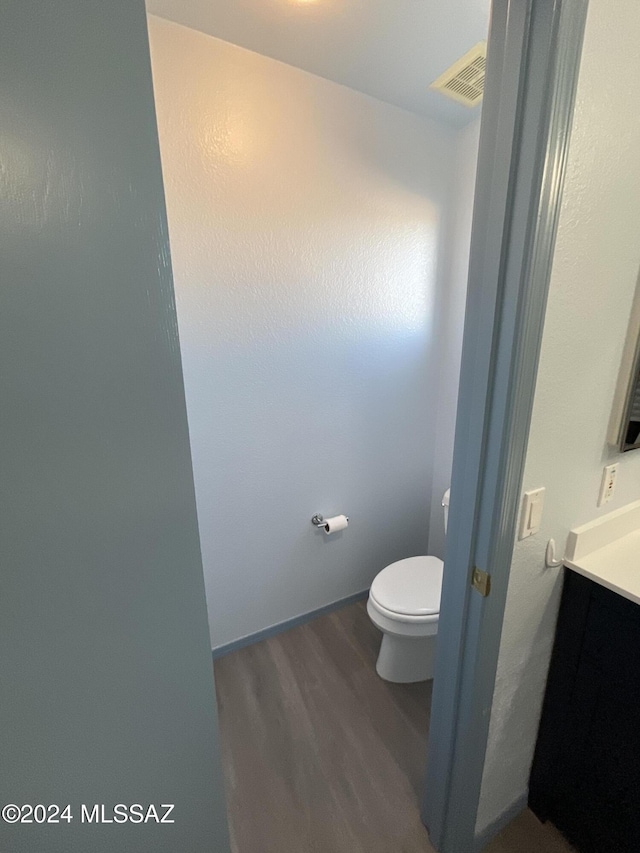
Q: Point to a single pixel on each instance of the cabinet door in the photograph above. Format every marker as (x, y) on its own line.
(560, 731)
(595, 790)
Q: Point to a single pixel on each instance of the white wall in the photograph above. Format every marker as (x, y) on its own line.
(451, 327)
(593, 281)
(305, 224)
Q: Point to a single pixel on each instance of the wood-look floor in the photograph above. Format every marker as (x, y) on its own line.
(322, 756)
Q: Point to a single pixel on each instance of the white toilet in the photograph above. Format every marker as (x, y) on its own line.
(404, 603)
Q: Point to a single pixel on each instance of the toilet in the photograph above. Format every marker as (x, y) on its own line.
(404, 603)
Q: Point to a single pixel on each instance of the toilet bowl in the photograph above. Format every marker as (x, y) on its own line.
(404, 603)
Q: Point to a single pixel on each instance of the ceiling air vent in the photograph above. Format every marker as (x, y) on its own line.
(464, 81)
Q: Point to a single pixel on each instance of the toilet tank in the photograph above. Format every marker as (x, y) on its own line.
(445, 504)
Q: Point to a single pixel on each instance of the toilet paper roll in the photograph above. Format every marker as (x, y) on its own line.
(332, 525)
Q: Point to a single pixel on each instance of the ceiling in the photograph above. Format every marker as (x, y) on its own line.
(390, 49)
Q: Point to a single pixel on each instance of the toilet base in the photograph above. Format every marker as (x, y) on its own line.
(404, 660)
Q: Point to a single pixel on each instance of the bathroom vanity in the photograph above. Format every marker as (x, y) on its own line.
(586, 771)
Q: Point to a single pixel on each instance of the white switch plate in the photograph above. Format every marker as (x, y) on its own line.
(608, 484)
(531, 517)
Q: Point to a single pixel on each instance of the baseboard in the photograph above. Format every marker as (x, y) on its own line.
(496, 826)
(272, 630)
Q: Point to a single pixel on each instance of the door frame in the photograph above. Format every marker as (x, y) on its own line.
(533, 60)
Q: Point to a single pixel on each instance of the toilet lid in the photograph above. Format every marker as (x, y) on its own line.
(410, 586)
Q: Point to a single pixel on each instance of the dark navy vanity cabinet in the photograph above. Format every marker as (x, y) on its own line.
(586, 770)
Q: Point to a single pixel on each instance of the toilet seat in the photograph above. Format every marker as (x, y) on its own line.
(418, 628)
(409, 590)
(408, 618)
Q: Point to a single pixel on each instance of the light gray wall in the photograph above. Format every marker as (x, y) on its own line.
(593, 281)
(106, 689)
(451, 326)
(307, 223)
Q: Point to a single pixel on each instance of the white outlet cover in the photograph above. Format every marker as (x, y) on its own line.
(608, 483)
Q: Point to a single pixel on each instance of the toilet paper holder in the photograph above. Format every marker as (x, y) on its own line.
(319, 521)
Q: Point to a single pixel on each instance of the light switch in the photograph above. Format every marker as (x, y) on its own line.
(531, 517)
(535, 516)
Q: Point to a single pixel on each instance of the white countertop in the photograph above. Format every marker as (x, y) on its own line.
(616, 566)
(607, 551)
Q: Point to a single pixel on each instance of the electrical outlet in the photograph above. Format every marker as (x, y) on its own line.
(608, 484)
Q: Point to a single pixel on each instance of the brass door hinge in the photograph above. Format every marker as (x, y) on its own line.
(481, 581)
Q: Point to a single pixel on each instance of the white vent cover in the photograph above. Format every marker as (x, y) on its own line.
(464, 81)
